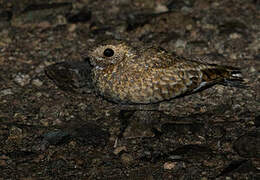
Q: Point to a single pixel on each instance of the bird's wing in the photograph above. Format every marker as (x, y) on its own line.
(184, 76)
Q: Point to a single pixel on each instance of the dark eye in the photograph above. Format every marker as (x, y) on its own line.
(108, 52)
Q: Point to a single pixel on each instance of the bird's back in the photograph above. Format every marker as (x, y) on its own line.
(162, 77)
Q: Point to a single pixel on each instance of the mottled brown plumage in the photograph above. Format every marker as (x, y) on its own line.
(132, 74)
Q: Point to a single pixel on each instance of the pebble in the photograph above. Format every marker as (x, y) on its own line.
(233, 56)
(252, 69)
(215, 4)
(175, 157)
(37, 82)
(180, 44)
(72, 27)
(40, 68)
(186, 10)
(127, 158)
(5, 92)
(60, 20)
(235, 36)
(38, 94)
(169, 165)
(22, 79)
(161, 8)
(189, 27)
(255, 45)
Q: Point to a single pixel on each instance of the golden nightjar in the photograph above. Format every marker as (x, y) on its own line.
(130, 73)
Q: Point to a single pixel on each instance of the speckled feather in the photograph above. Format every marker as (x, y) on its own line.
(142, 75)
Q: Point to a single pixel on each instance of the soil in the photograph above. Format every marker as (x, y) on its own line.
(48, 133)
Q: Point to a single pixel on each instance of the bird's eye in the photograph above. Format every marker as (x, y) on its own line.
(108, 52)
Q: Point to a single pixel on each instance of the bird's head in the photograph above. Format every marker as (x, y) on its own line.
(110, 52)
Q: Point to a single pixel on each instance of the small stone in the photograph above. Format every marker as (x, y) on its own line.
(233, 56)
(203, 173)
(37, 82)
(72, 27)
(44, 24)
(161, 8)
(189, 27)
(169, 165)
(215, 4)
(235, 36)
(5, 92)
(186, 10)
(255, 45)
(60, 20)
(22, 79)
(38, 94)
(44, 122)
(180, 43)
(252, 69)
(127, 158)
(41, 67)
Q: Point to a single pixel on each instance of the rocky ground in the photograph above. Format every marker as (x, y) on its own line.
(51, 134)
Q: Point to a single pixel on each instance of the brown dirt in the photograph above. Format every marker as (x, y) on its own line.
(51, 134)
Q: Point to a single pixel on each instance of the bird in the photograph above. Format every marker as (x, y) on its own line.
(130, 74)
(134, 73)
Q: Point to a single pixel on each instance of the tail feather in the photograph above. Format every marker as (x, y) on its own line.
(234, 78)
(225, 75)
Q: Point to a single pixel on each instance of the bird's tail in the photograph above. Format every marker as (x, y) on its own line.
(225, 75)
(233, 78)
